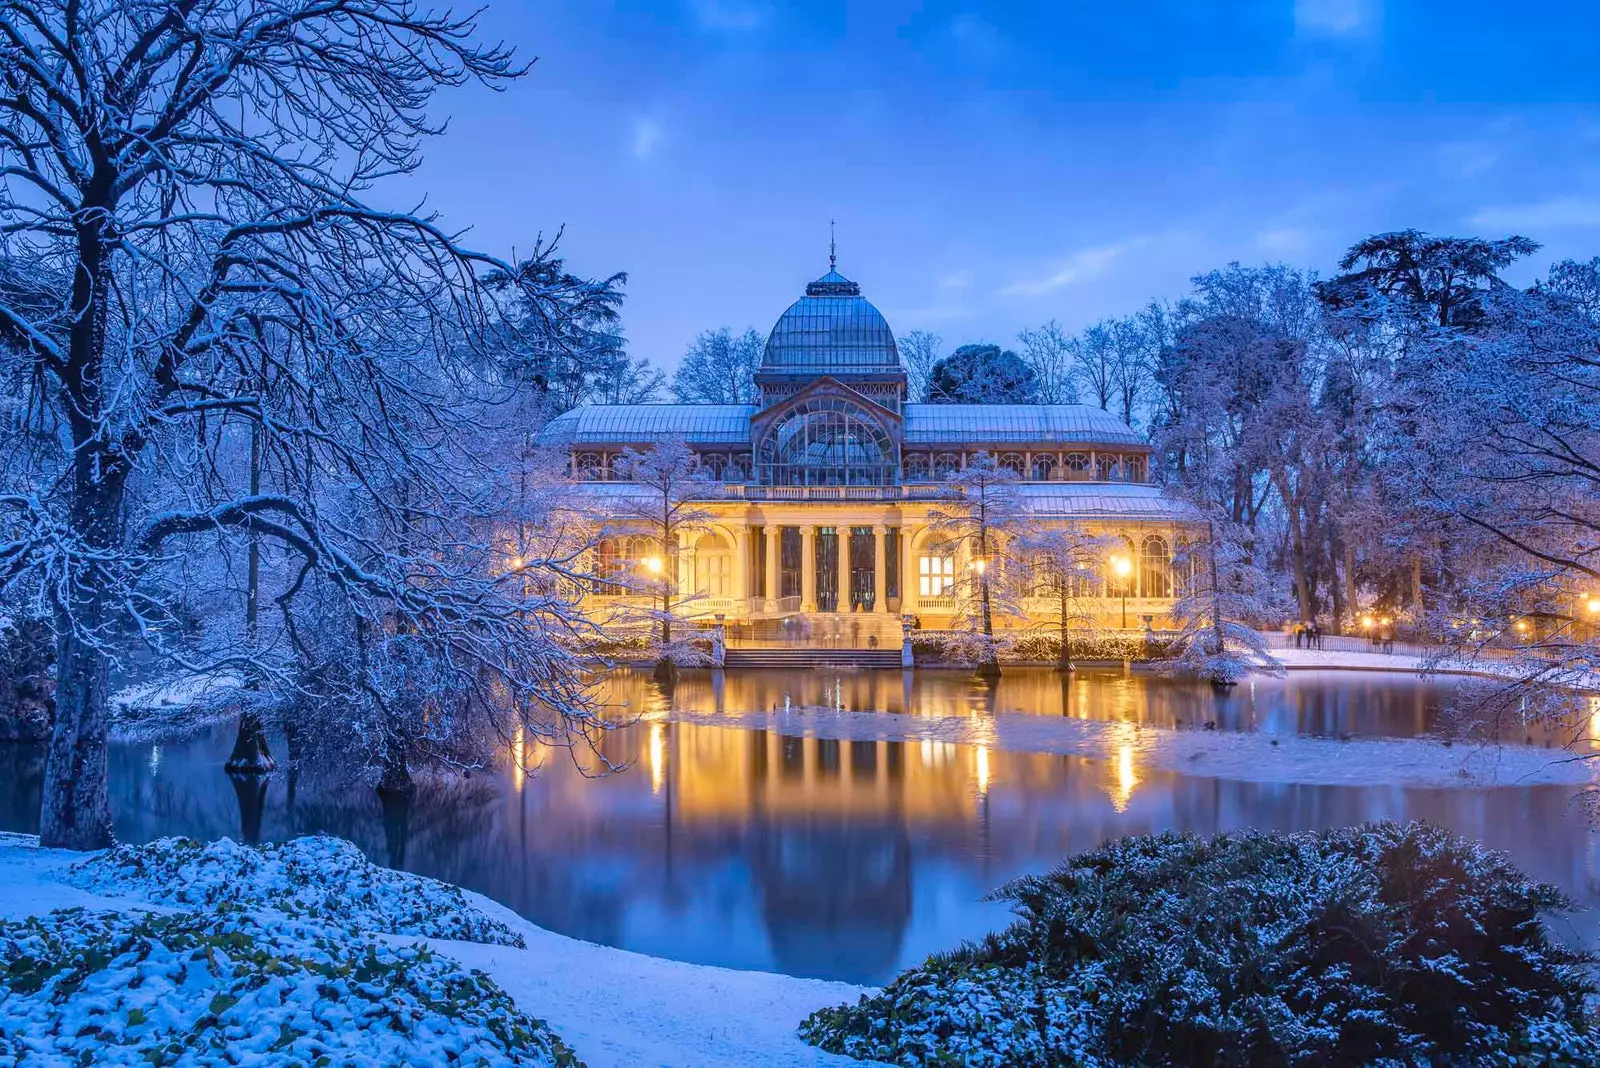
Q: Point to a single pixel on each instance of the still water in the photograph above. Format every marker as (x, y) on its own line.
(836, 859)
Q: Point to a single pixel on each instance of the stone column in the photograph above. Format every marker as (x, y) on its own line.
(741, 570)
(843, 538)
(774, 549)
(880, 569)
(908, 571)
(808, 569)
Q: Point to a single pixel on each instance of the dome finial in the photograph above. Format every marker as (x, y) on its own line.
(833, 248)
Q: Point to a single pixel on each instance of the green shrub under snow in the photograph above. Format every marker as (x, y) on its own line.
(1384, 944)
(229, 987)
(315, 877)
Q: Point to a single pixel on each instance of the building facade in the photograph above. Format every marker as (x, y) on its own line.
(825, 493)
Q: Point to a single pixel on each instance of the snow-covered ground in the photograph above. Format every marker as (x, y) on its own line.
(1243, 756)
(613, 1007)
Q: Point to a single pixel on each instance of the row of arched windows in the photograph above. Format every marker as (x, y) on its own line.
(1151, 573)
(1040, 467)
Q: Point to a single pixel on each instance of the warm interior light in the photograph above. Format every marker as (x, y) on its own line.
(1522, 625)
(652, 564)
(1366, 621)
(1594, 606)
(1122, 566)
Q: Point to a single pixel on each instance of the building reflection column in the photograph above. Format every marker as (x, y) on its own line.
(808, 569)
(880, 568)
(774, 550)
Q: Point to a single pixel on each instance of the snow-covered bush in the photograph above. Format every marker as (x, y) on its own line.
(1384, 944)
(111, 988)
(316, 877)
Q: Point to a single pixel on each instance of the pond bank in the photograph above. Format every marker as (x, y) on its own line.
(612, 1006)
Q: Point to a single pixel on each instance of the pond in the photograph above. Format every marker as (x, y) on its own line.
(835, 859)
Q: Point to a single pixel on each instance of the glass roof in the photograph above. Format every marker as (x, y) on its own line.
(624, 424)
(831, 328)
(985, 424)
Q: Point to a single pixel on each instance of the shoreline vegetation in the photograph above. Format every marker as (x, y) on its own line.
(1355, 940)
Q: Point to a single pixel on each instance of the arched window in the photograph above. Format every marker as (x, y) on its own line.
(591, 466)
(737, 466)
(1078, 464)
(946, 464)
(1046, 576)
(1106, 468)
(1044, 466)
(936, 572)
(1011, 461)
(827, 441)
(610, 567)
(1155, 567)
(712, 565)
(917, 467)
(1133, 468)
(714, 464)
(1122, 569)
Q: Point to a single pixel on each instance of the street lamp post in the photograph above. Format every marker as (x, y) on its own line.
(1122, 567)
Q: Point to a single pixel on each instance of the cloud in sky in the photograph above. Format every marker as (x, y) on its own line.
(1335, 18)
(729, 16)
(1555, 214)
(647, 133)
(1081, 266)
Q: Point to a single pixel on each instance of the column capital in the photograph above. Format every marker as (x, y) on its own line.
(880, 529)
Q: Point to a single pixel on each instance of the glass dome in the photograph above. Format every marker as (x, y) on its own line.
(831, 329)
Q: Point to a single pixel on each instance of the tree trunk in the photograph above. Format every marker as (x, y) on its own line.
(1416, 594)
(251, 792)
(1297, 549)
(1350, 598)
(396, 779)
(1064, 654)
(990, 668)
(75, 809)
(251, 756)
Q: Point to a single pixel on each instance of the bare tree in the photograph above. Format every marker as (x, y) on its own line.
(195, 172)
(1094, 363)
(1048, 350)
(1063, 563)
(982, 513)
(919, 351)
(669, 506)
(719, 368)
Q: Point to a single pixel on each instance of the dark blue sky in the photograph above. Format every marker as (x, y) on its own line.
(992, 166)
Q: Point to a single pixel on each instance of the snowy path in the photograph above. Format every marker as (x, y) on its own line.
(614, 1007)
(1248, 757)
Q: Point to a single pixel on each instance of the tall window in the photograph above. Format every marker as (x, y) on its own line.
(1011, 461)
(891, 550)
(1106, 469)
(789, 549)
(1155, 567)
(1044, 467)
(936, 574)
(610, 567)
(1078, 464)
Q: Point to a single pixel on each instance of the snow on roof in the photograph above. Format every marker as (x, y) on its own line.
(925, 424)
(625, 423)
(935, 424)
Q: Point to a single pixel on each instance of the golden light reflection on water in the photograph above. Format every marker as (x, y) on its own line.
(981, 766)
(1126, 779)
(658, 756)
